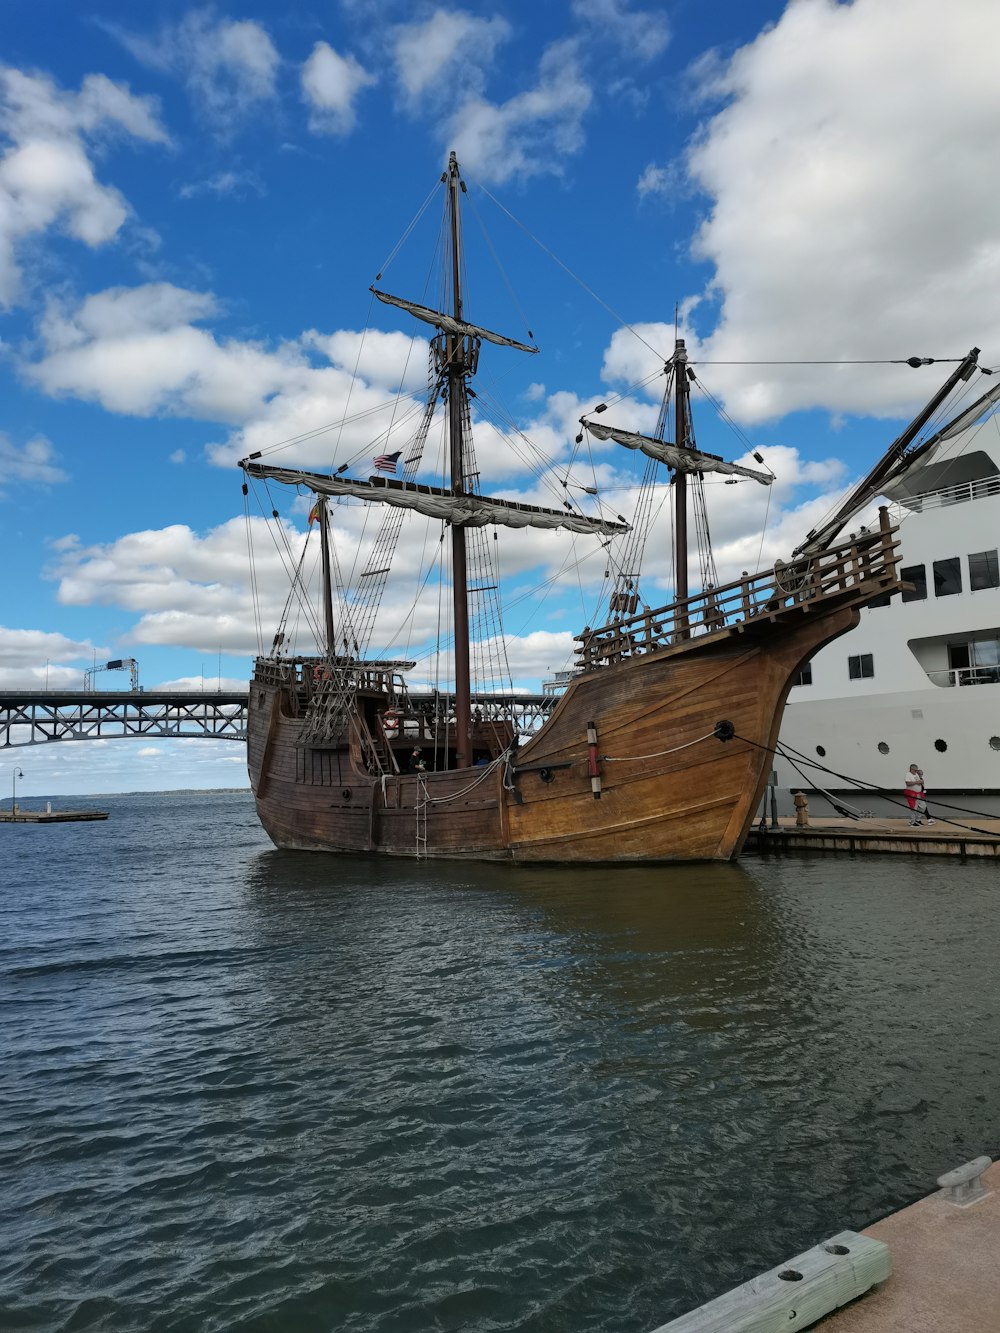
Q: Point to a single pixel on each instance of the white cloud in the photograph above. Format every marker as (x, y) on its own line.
(202, 683)
(330, 84)
(178, 456)
(36, 659)
(149, 752)
(229, 67)
(46, 176)
(532, 132)
(139, 351)
(34, 463)
(855, 202)
(447, 53)
(642, 34)
(136, 350)
(654, 180)
(233, 183)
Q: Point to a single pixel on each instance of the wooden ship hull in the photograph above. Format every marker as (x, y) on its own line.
(659, 750)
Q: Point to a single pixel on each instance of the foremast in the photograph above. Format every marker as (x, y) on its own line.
(682, 434)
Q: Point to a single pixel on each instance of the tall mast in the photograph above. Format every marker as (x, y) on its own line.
(456, 344)
(681, 436)
(324, 537)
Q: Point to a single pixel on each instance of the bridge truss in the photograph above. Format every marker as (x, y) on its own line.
(37, 718)
(30, 717)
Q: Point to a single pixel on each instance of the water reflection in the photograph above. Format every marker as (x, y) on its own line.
(269, 1090)
(734, 1060)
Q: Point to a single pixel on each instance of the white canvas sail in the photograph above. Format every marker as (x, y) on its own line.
(449, 324)
(465, 510)
(684, 460)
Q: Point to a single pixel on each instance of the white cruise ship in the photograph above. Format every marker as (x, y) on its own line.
(918, 680)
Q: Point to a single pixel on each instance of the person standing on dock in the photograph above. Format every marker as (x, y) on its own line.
(915, 793)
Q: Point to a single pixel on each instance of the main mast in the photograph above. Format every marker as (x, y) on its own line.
(457, 412)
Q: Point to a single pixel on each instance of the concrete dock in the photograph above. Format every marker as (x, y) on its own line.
(928, 1268)
(945, 1274)
(962, 837)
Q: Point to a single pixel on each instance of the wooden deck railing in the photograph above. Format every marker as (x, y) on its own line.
(853, 571)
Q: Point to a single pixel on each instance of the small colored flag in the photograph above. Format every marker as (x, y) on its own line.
(314, 513)
(387, 462)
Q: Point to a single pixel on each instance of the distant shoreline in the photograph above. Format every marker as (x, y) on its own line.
(106, 795)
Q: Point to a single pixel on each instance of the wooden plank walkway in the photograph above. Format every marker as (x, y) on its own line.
(958, 837)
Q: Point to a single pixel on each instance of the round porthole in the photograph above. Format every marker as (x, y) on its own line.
(940, 746)
(820, 751)
(995, 742)
(883, 748)
(345, 793)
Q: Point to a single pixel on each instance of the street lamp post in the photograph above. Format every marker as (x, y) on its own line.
(13, 791)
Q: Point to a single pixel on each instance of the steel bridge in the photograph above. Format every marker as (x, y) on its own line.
(37, 717)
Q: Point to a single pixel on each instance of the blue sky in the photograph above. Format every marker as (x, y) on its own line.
(194, 201)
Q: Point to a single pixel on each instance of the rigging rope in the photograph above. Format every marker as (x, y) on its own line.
(635, 758)
(863, 785)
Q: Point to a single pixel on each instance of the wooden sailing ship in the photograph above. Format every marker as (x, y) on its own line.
(660, 746)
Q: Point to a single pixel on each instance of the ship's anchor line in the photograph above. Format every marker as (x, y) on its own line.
(783, 752)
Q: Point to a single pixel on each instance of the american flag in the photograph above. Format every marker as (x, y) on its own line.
(387, 462)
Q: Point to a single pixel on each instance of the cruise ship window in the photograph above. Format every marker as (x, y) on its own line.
(861, 666)
(917, 575)
(947, 576)
(805, 676)
(984, 571)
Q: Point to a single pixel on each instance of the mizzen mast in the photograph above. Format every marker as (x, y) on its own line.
(322, 506)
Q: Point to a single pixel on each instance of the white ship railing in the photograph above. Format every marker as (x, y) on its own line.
(985, 675)
(950, 495)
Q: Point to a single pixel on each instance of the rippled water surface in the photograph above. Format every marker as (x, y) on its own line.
(255, 1090)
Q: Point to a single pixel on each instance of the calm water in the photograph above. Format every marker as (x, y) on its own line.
(245, 1089)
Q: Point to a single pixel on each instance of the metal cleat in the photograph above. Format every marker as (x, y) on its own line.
(964, 1185)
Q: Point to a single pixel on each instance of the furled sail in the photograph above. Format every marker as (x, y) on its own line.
(684, 460)
(449, 324)
(464, 510)
(964, 419)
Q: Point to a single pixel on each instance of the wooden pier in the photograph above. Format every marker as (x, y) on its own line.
(20, 816)
(965, 837)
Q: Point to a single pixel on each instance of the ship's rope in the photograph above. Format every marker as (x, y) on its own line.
(884, 792)
(635, 758)
(871, 787)
(486, 771)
